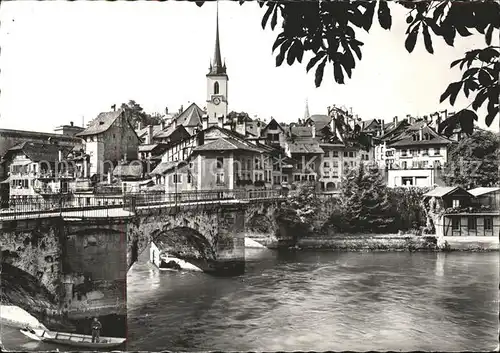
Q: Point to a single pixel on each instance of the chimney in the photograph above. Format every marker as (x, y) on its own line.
(149, 136)
(395, 120)
(109, 176)
(181, 109)
(162, 124)
(166, 110)
(71, 123)
(204, 122)
(241, 125)
(333, 128)
(258, 128)
(421, 132)
(382, 126)
(175, 123)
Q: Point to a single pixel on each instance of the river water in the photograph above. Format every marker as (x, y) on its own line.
(318, 301)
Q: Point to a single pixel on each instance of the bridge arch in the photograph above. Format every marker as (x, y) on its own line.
(24, 290)
(184, 243)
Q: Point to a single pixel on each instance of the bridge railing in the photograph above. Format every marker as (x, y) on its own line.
(94, 205)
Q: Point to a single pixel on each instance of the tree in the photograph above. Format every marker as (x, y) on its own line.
(136, 114)
(364, 202)
(326, 29)
(474, 161)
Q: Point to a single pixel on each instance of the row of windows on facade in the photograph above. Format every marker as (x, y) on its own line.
(416, 164)
(472, 222)
(93, 138)
(219, 177)
(415, 152)
(348, 154)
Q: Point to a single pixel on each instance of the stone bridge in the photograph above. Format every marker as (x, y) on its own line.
(74, 263)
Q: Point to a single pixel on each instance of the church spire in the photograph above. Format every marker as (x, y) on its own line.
(217, 68)
(306, 112)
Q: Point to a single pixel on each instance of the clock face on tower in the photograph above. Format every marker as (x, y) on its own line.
(216, 100)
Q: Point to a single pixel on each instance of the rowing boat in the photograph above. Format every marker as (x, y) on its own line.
(72, 339)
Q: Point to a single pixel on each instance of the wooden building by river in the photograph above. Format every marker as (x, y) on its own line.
(474, 212)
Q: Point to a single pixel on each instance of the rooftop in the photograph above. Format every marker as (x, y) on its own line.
(102, 123)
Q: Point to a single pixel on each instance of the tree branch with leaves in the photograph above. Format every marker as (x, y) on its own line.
(327, 30)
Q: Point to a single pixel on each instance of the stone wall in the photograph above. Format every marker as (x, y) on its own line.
(34, 246)
(81, 265)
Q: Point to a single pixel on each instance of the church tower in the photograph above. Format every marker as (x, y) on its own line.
(217, 83)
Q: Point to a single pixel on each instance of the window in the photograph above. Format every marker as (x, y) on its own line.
(326, 165)
(403, 153)
(299, 166)
(177, 178)
(488, 223)
(335, 153)
(437, 151)
(414, 153)
(284, 178)
(335, 164)
(220, 162)
(304, 177)
(312, 177)
(351, 154)
(345, 154)
(220, 178)
(296, 177)
(189, 178)
(455, 223)
(216, 87)
(407, 181)
(405, 165)
(425, 152)
(455, 203)
(471, 222)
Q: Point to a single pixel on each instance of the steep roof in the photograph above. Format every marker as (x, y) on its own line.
(406, 139)
(40, 151)
(164, 167)
(191, 116)
(224, 144)
(133, 171)
(273, 122)
(143, 132)
(301, 131)
(441, 191)
(170, 130)
(305, 147)
(216, 67)
(319, 120)
(102, 123)
(483, 190)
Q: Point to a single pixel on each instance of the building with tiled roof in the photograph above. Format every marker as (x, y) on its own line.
(37, 170)
(108, 139)
(415, 156)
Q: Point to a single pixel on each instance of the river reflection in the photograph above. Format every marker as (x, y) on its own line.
(321, 301)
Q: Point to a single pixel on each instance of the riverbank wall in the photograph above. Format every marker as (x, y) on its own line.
(396, 242)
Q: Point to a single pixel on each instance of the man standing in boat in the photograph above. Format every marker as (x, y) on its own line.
(96, 330)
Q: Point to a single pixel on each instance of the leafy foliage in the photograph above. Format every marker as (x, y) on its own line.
(408, 208)
(364, 202)
(474, 161)
(136, 114)
(301, 210)
(327, 30)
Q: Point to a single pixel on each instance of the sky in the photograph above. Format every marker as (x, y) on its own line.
(68, 61)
